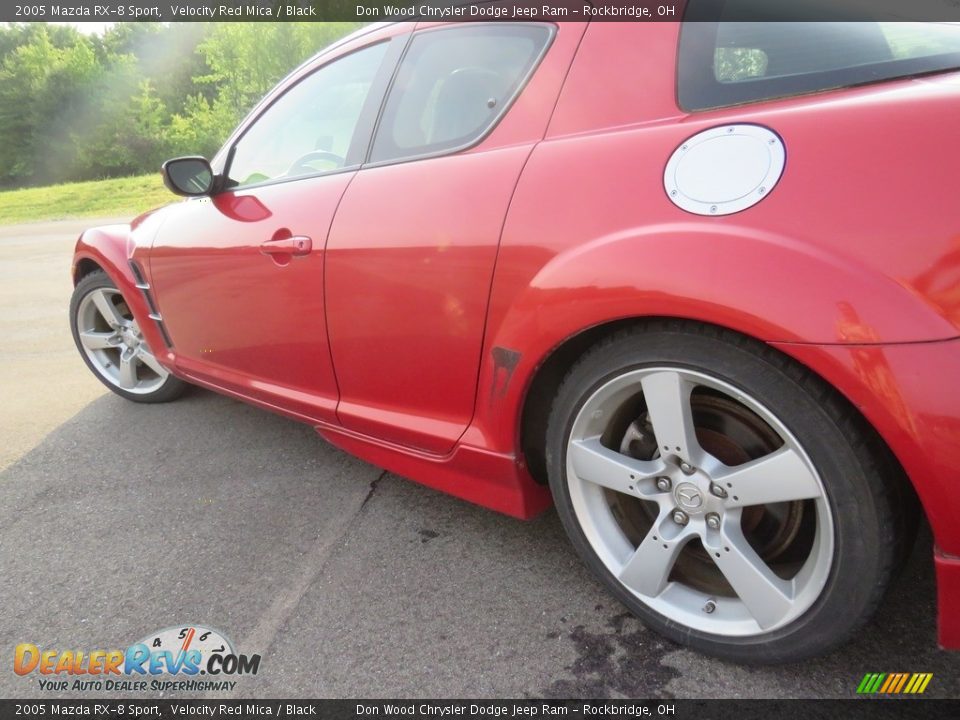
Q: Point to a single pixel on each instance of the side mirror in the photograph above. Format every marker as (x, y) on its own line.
(190, 175)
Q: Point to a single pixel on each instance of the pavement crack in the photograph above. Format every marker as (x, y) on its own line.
(373, 489)
(289, 597)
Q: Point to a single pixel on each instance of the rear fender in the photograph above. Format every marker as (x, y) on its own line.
(762, 285)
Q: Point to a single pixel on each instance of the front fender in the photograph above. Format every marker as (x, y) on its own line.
(111, 248)
(107, 247)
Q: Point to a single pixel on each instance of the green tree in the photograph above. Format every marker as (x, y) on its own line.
(23, 82)
(200, 128)
(75, 107)
(247, 59)
(128, 140)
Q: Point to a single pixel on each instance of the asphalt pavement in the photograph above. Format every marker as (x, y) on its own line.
(118, 520)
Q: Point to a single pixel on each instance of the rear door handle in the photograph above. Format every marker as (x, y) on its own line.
(295, 245)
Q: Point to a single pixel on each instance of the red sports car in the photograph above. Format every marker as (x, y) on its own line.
(696, 284)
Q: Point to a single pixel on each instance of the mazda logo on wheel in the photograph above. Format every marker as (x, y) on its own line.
(689, 496)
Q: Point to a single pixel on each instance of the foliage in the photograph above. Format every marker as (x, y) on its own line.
(116, 197)
(74, 107)
(735, 64)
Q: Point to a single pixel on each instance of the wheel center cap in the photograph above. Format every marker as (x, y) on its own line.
(689, 497)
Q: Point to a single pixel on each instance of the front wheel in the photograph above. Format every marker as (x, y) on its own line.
(110, 342)
(726, 496)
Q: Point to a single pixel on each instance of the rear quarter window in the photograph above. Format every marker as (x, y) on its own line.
(730, 63)
(453, 85)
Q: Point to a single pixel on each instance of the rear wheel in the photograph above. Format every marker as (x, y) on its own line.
(110, 342)
(726, 496)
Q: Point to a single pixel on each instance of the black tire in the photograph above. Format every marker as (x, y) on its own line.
(170, 389)
(863, 490)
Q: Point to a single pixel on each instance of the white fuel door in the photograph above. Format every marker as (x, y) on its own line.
(725, 169)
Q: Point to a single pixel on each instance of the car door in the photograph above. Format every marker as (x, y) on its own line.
(412, 249)
(238, 277)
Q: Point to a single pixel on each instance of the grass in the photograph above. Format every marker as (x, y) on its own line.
(117, 197)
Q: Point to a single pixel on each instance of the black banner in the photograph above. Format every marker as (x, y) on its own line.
(475, 10)
(863, 709)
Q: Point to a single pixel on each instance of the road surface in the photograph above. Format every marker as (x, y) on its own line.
(118, 520)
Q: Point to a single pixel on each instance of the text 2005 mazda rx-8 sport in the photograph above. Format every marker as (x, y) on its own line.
(698, 285)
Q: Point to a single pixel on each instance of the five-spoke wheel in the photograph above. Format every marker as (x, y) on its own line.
(701, 482)
(712, 500)
(111, 343)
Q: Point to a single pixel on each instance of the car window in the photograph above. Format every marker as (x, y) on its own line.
(309, 129)
(453, 85)
(727, 63)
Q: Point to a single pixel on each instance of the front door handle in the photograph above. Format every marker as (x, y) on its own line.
(294, 245)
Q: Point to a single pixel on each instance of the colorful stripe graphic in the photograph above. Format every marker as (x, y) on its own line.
(894, 683)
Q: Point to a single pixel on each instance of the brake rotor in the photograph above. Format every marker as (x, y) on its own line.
(734, 435)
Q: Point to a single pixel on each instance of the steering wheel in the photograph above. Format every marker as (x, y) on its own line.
(302, 164)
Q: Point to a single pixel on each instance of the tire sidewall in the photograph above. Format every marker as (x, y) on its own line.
(855, 503)
(171, 388)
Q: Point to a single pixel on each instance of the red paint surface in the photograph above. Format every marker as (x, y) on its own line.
(948, 600)
(384, 334)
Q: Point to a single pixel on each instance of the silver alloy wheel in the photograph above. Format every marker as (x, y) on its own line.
(690, 497)
(112, 341)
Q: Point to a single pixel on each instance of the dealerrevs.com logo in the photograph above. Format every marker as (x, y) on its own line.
(171, 659)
